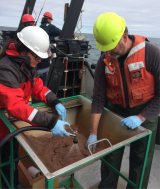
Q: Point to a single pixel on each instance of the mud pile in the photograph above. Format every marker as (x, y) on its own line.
(58, 152)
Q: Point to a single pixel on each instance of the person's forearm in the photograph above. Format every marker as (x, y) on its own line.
(150, 112)
(142, 118)
(94, 123)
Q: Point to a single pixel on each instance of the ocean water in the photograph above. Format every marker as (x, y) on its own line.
(94, 53)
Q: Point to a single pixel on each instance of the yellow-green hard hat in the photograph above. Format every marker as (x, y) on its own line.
(108, 30)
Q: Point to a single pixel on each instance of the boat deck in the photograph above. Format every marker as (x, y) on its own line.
(89, 177)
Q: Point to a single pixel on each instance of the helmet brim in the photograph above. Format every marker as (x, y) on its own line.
(106, 47)
(47, 17)
(41, 55)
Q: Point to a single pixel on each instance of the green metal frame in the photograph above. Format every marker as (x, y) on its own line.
(143, 168)
(67, 182)
(70, 183)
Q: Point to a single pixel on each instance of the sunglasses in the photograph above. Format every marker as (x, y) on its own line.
(35, 56)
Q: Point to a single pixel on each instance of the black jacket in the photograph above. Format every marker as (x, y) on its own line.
(52, 30)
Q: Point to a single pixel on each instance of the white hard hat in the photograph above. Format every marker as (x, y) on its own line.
(36, 39)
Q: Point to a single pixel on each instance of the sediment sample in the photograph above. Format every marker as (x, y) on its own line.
(58, 152)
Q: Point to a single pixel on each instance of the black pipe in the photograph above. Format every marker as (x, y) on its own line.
(16, 132)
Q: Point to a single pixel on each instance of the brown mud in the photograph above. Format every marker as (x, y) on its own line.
(58, 152)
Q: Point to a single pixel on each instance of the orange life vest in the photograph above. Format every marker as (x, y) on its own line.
(140, 82)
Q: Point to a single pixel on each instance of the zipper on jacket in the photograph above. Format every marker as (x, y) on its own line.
(124, 85)
(121, 61)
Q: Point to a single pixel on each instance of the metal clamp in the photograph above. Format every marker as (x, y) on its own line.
(96, 143)
(74, 133)
(71, 134)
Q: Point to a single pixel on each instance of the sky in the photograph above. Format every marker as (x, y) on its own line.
(142, 16)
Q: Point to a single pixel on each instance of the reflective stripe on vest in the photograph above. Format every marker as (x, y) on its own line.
(136, 48)
(107, 70)
(135, 66)
(140, 83)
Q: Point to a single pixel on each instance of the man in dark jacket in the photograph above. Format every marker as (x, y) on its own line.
(53, 31)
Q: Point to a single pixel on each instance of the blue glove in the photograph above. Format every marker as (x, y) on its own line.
(92, 138)
(131, 122)
(58, 129)
(61, 110)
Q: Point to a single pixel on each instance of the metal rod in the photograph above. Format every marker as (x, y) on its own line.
(49, 183)
(72, 134)
(145, 161)
(15, 160)
(4, 178)
(12, 164)
(96, 143)
(120, 174)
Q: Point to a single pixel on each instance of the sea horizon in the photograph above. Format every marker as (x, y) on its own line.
(14, 28)
(94, 53)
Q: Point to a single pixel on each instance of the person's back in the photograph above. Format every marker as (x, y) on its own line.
(52, 30)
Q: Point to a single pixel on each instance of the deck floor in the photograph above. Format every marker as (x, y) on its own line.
(89, 177)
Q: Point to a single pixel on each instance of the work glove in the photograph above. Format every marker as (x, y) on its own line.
(92, 138)
(132, 122)
(58, 129)
(61, 111)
